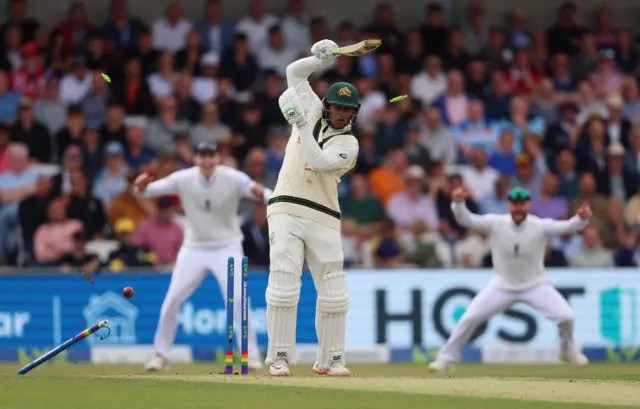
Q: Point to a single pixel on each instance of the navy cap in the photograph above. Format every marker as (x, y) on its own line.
(203, 147)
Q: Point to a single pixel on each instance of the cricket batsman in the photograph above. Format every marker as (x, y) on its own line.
(304, 215)
(518, 241)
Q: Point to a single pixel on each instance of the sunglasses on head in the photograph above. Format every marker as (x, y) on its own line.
(519, 194)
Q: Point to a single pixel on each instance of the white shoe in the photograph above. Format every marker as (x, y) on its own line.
(157, 364)
(575, 358)
(440, 366)
(279, 368)
(335, 369)
(254, 365)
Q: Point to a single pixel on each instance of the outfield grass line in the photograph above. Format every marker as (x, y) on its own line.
(578, 391)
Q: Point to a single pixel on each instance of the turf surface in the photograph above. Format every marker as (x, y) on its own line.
(69, 386)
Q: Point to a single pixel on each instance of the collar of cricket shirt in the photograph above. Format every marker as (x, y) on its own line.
(207, 182)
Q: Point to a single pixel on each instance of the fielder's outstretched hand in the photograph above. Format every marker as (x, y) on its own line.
(323, 51)
(460, 194)
(290, 108)
(142, 181)
(584, 211)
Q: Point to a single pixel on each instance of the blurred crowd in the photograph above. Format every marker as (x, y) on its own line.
(556, 111)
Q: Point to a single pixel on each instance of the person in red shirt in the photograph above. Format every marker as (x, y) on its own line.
(29, 79)
(522, 77)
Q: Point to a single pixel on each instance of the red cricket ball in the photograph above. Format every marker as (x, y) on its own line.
(128, 292)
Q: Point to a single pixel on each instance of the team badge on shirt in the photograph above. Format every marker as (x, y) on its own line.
(271, 238)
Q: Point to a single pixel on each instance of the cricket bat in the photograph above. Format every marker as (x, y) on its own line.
(354, 50)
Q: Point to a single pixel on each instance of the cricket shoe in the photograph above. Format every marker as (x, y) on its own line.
(575, 358)
(335, 369)
(440, 366)
(157, 364)
(279, 368)
(254, 365)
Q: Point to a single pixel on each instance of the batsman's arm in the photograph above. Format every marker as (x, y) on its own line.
(298, 73)
(482, 223)
(338, 155)
(561, 227)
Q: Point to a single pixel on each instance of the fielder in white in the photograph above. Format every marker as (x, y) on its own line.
(304, 215)
(518, 241)
(210, 194)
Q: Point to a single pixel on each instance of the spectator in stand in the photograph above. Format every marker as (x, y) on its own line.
(627, 58)
(128, 205)
(562, 36)
(618, 127)
(433, 30)
(94, 104)
(388, 179)
(33, 211)
(72, 161)
(76, 85)
(170, 33)
(430, 83)
(96, 58)
(5, 143)
(92, 153)
(498, 99)
(17, 10)
(83, 206)
(268, 99)
(239, 64)
(385, 247)
(416, 153)
(133, 93)
(48, 109)
(588, 194)
(255, 26)
(438, 138)
(210, 129)
(187, 60)
(78, 256)
(629, 254)
(522, 77)
(606, 79)
(361, 206)
(11, 50)
(448, 224)
(54, 238)
(113, 129)
(476, 31)
(590, 105)
(72, 133)
(477, 78)
(549, 204)
(16, 184)
(617, 182)
(9, 100)
(475, 131)
(277, 54)
(545, 104)
(30, 77)
(565, 133)
(112, 180)
(205, 86)
(144, 51)
(454, 103)
(413, 203)
(592, 254)
(503, 158)
(529, 173)
(522, 123)
(496, 203)
(120, 31)
(162, 131)
(128, 255)
(256, 236)
(519, 35)
(561, 76)
(137, 154)
(160, 234)
(480, 178)
(161, 82)
(295, 27)
(189, 109)
(216, 33)
(76, 29)
(32, 133)
(456, 58)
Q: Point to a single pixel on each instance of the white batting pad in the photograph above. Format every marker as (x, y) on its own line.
(331, 311)
(283, 294)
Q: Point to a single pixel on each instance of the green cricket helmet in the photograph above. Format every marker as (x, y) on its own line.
(342, 94)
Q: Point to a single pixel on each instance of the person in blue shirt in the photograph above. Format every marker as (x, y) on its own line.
(16, 184)
(9, 100)
(521, 123)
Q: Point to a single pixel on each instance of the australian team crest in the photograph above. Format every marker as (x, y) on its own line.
(344, 92)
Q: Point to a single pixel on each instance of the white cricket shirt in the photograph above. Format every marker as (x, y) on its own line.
(210, 206)
(517, 251)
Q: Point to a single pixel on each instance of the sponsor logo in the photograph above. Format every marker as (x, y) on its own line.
(121, 314)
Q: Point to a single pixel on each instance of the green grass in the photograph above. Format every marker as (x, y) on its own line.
(69, 386)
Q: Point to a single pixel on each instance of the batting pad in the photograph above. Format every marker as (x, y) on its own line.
(283, 294)
(331, 311)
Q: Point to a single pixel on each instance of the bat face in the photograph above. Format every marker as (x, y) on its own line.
(360, 48)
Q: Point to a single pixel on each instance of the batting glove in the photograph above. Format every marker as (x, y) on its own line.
(323, 51)
(290, 108)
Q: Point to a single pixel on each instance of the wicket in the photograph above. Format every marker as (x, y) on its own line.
(65, 345)
(244, 312)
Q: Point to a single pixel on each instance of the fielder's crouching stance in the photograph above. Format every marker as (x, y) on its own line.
(304, 215)
(518, 242)
(210, 194)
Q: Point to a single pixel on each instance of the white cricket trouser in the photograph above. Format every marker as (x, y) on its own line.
(543, 298)
(190, 269)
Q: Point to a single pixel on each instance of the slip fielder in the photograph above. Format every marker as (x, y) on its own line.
(518, 241)
(304, 215)
(210, 194)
